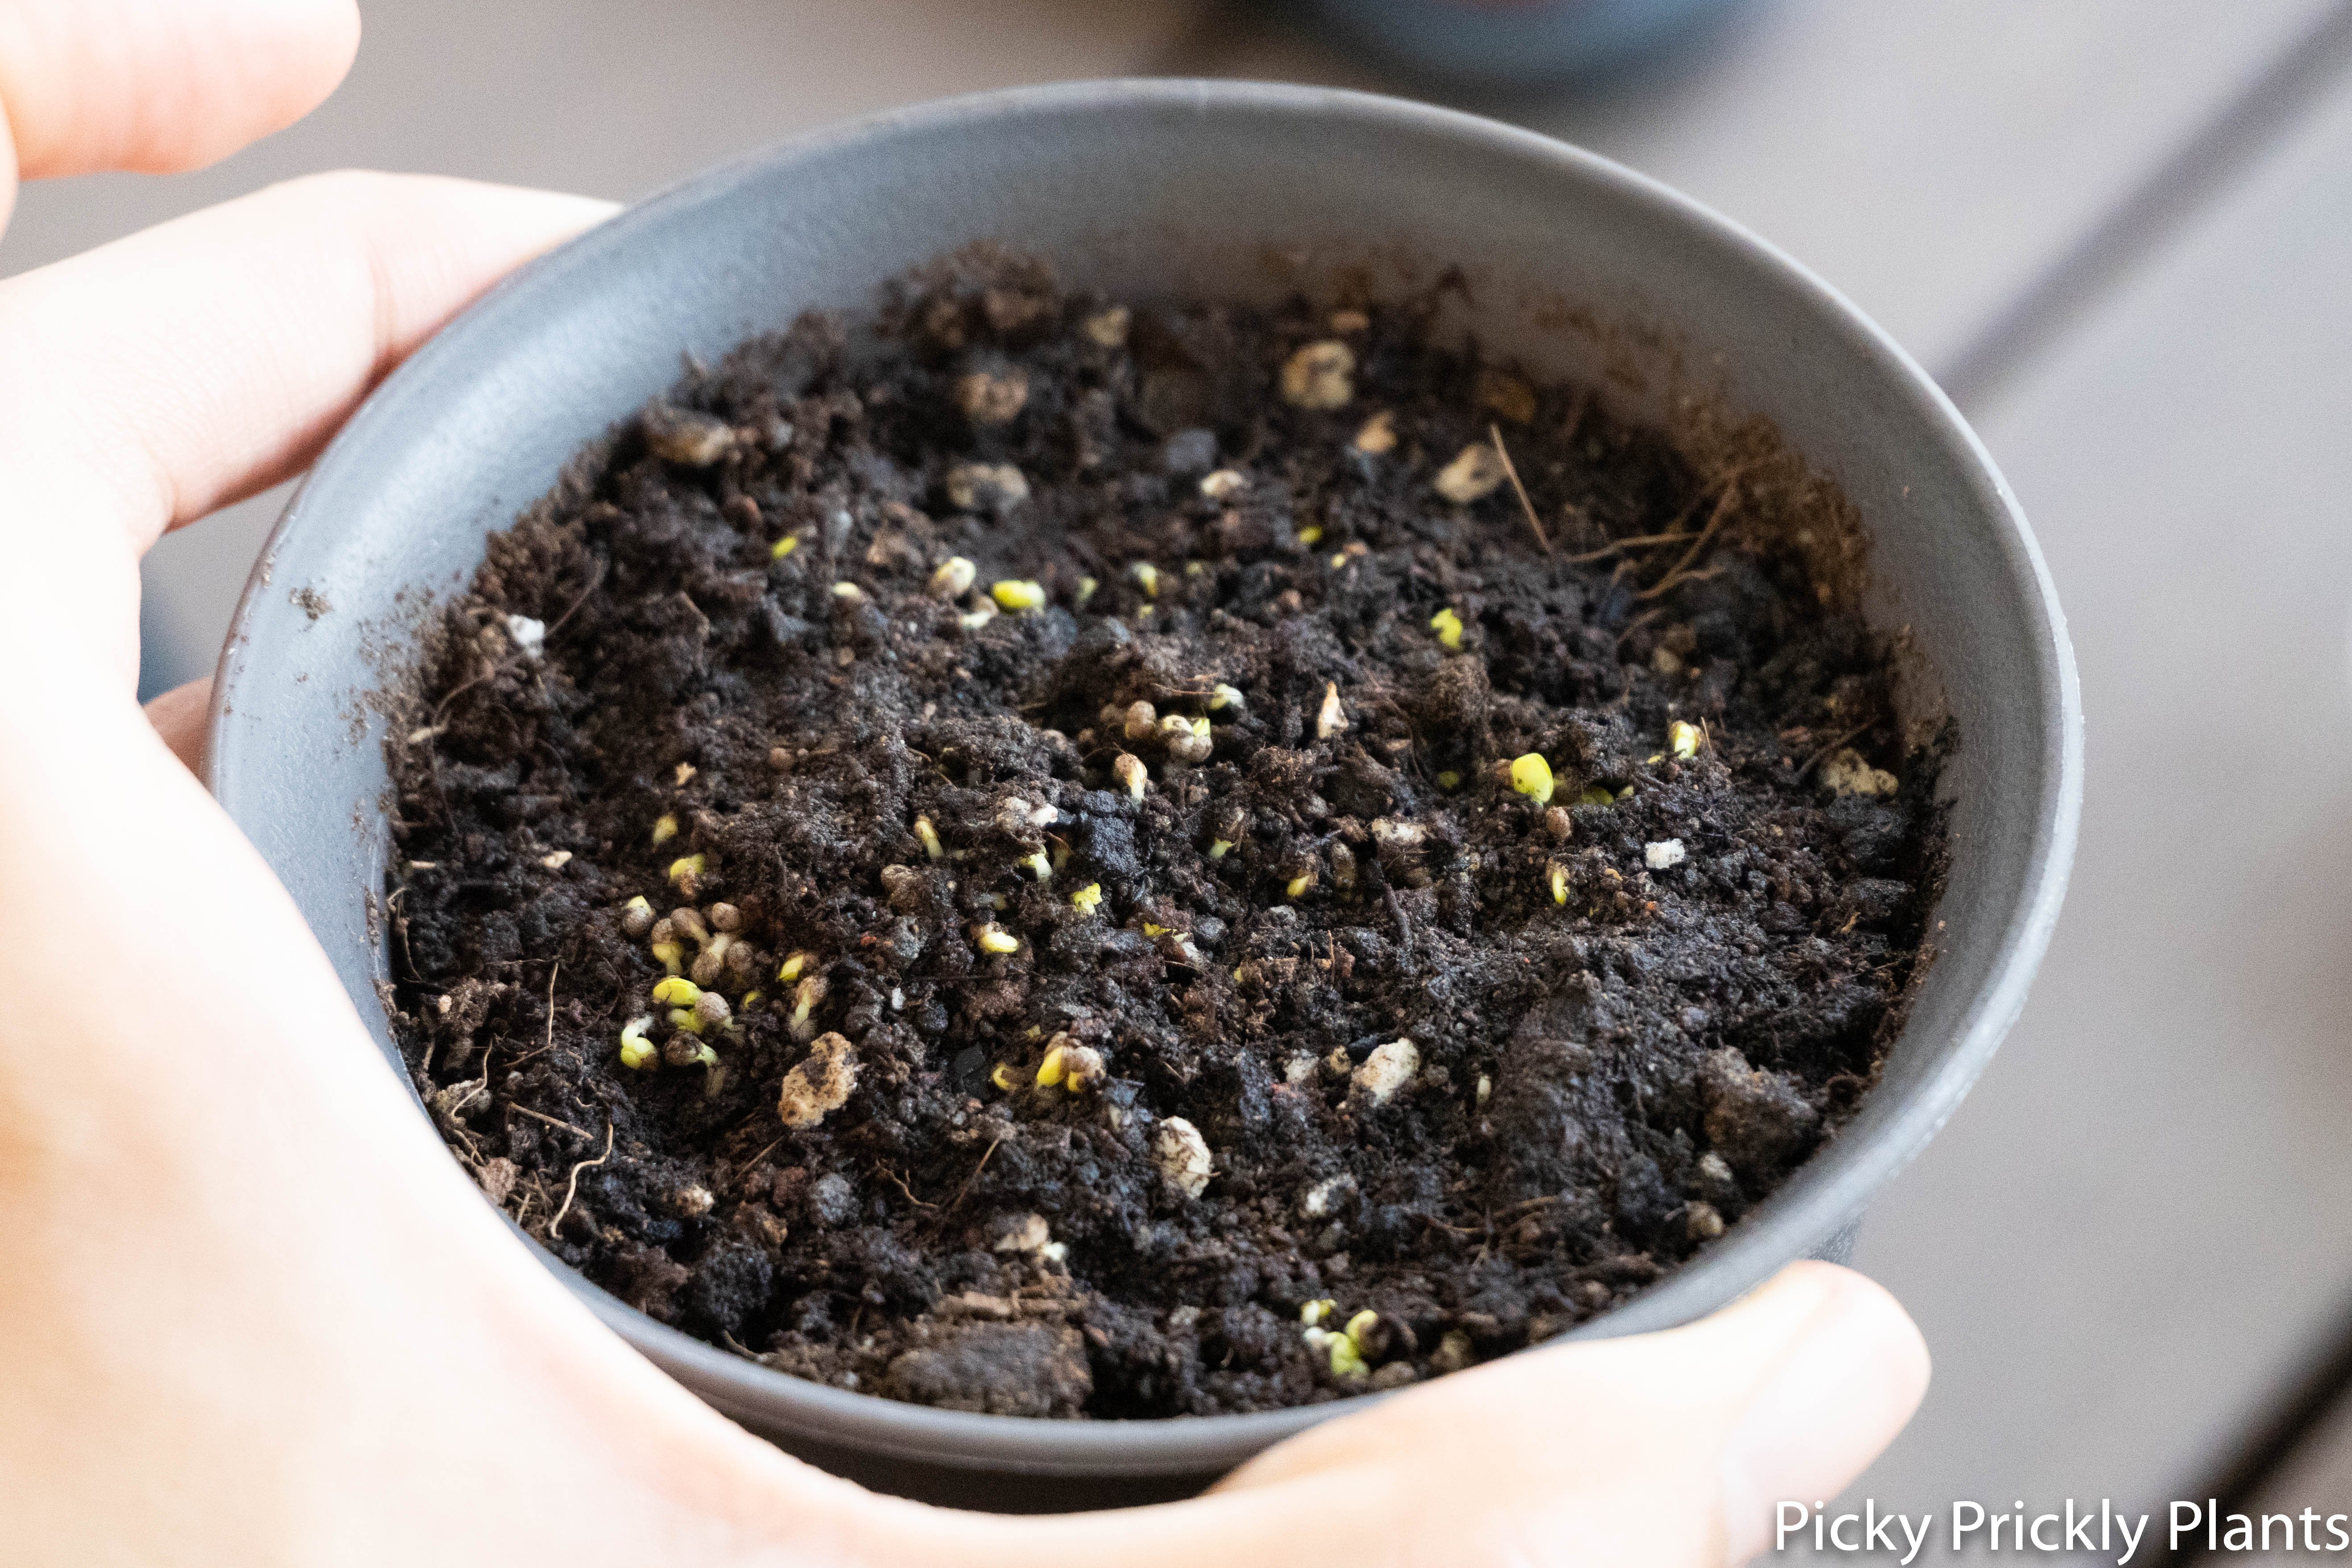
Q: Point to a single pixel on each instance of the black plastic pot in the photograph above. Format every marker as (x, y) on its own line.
(1146, 188)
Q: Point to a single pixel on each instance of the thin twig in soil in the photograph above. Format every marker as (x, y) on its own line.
(1680, 572)
(1833, 745)
(1639, 541)
(1511, 472)
(902, 1187)
(490, 673)
(1576, 410)
(595, 581)
(490, 1047)
(1635, 625)
(572, 1187)
(551, 1122)
(967, 1181)
(501, 666)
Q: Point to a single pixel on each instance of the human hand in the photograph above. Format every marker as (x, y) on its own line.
(251, 1310)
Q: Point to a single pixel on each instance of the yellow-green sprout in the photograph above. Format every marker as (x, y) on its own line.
(1082, 1065)
(1087, 586)
(1002, 1077)
(790, 970)
(1146, 573)
(1314, 1313)
(1449, 781)
(1049, 1071)
(1347, 1347)
(1531, 776)
(994, 938)
(806, 996)
(1038, 866)
(637, 916)
(1557, 875)
(686, 870)
(664, 829)
(783, 547)
(1221, 696)
(1130, 771)
(954, 578)
(1311, 535)
(685, 1018)
(751, 1000)
(1017, 593)
(849, 592)
(930, 836)
(1220, 848)
(685, 1047)
(1448, 628)
(637, 1053)
(677, 991)
(1346, 1360)
(1682, 739)
(1296, 887)
(1087, 899)
(1595, 794)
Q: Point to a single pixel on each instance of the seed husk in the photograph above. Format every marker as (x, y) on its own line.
(986, 487)
(989, 397)
(1182, 1155)
(1321, 375)
(1475, 472)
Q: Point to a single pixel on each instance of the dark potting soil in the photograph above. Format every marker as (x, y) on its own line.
(1107, 722)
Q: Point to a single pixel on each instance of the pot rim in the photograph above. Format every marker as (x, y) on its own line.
(1822, 1197)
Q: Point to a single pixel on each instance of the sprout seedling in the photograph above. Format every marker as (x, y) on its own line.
(1531, 776)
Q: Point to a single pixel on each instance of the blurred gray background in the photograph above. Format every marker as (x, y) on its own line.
(2121, 232)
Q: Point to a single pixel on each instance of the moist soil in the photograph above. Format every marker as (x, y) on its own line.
(1231, 792)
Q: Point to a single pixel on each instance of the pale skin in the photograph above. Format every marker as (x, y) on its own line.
(250, 1313)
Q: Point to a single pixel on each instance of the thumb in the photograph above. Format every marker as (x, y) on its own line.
(158, 85)
(1665, 1448)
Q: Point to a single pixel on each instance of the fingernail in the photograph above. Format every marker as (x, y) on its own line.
(1851, 1378)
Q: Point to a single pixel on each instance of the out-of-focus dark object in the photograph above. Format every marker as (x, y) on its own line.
(1516, 43)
